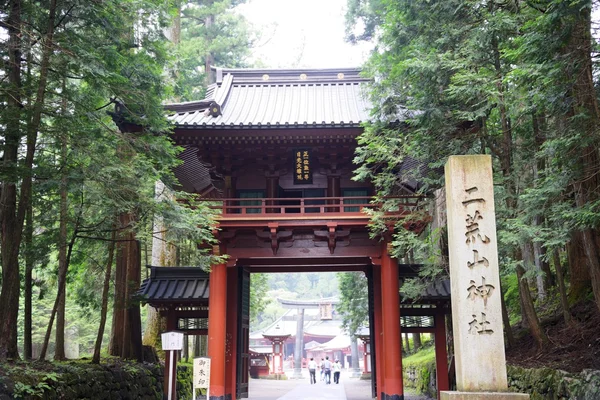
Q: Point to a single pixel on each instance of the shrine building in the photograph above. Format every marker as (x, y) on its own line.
(274, 149)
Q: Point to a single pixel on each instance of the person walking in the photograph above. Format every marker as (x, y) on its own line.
(312, 369)
(337, 368)
(326, 365)
(322, 373)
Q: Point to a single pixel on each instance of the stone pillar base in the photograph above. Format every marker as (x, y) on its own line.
(482, 395)
(297, 374)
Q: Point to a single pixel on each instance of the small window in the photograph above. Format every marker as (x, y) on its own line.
(250, 194)
(361, 195)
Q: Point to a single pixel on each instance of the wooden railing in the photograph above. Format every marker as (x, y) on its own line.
(306, 206)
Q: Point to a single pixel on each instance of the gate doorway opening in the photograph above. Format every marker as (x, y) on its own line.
(182, 295)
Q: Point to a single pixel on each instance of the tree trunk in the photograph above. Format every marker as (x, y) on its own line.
(406, 344)
(163, 255)
(416, 341)
(510, 338)
(27, 340)
(539, 129)
(12, 214)
(61, 288)
(587, 186)
(126, 339)
(561, 287)
(59, 350)
(185, 354)
(210, 59)
(105, 289)
(197, 346)
(116, 339)
(578, 271)
(529, 310)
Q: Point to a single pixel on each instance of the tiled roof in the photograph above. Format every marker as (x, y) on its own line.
(175, 286)
(265, 98)
(435, 291)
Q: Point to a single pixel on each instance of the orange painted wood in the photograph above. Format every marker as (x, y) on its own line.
(378, 339)
(217, 331)
(232, 330)
(391, 325)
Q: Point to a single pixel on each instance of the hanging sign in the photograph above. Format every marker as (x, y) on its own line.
(172, 340)
(302, 167)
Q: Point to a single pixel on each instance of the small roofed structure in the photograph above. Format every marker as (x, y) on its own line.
(181, 295)
(277, 342)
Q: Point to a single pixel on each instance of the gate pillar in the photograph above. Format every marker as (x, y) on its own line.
(232, 330)
(217, 329)
(392, 362)
(441, 354)
(378, 336)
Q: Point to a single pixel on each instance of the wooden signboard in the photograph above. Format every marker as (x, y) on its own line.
(302, 167)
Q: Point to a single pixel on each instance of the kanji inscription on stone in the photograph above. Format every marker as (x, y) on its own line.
(474, 278)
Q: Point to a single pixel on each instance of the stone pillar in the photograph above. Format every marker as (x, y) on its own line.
(390, 295)
(298, 349)
(217, 323)
(474, 279)
(355, 370)
(232, 330)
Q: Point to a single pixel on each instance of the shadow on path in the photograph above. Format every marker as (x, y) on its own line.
(301, 389)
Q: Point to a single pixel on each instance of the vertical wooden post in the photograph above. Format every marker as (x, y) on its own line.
(232, 330)
(378, 337)
(333, 190)
(272, 191)
(441, 354)
(390, 294)
(171, 326)
(217, 323)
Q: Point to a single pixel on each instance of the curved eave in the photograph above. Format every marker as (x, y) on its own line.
(350, 124)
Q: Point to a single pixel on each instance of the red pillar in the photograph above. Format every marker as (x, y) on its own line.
(217, 324)
(392, 349)
(441, 354)
(171, 326)
(378, 338)
(232, 325)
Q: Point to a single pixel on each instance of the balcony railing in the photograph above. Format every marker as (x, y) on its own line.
(307, 206)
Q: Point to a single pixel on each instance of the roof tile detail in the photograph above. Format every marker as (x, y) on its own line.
(175, 285)
(246, 100)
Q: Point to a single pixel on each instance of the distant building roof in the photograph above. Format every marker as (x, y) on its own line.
(307, 303)
(277, 98)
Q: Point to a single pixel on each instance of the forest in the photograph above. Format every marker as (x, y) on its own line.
(513, 79)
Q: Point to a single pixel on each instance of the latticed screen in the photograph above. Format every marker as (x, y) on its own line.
(417, 322)
(192, 323)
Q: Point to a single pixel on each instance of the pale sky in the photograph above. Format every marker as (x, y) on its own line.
(302, 33)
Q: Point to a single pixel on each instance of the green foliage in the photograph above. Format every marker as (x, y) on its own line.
(227, 39)
(418, 368)
(259, 284)
(509, 79)
(354, 301)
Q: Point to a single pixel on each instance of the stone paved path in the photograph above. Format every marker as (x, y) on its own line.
(293, 389)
